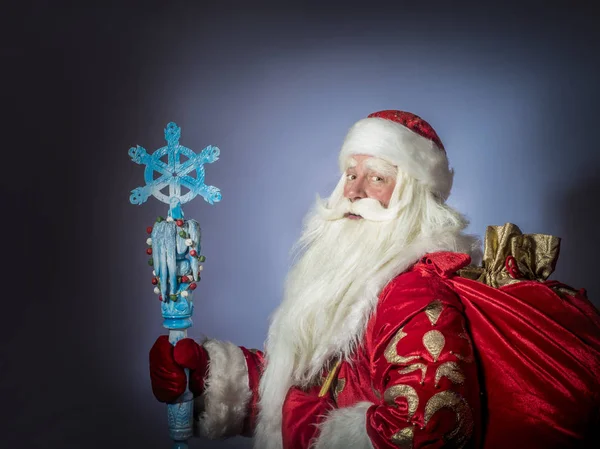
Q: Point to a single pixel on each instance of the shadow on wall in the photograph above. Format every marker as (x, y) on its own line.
(576, 216)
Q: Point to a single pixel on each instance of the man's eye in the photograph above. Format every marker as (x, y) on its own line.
(350, 177)
(377, 178)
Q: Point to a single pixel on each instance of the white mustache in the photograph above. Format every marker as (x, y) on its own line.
(368, 208)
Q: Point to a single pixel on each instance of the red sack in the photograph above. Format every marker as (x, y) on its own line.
(537, 344)
(539, 358)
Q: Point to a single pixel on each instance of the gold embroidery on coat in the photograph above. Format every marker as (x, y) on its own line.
(405, 391)
(391, 352)
(414, 367)
(376, 392)
(404, 438)
(339, 387)
(433, 311)
(452, 371)
(463, 430)
(434, 342)
(464, 358)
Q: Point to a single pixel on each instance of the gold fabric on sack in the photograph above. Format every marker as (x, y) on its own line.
(510, 256)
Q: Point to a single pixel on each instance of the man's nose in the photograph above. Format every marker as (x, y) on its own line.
(357, 191)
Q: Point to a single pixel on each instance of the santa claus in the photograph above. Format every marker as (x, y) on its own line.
(368, 348)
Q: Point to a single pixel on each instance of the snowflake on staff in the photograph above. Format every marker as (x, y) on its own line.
(174, 173)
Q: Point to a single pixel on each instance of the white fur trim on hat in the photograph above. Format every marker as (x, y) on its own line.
(409, 151)
(223, 405)
(345, 428)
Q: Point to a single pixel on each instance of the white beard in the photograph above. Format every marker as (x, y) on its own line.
(330, 294)
(322, 288)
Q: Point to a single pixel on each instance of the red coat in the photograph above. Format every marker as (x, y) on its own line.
(449, 362)
(415, 366)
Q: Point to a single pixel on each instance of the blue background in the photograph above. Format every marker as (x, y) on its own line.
(512, 91)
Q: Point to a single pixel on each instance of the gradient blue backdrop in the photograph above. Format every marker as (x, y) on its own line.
(512, 92)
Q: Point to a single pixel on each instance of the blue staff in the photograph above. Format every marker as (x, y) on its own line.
(175, 247)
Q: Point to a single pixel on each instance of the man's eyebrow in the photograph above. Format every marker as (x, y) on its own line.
(381, 167)
(351, 163)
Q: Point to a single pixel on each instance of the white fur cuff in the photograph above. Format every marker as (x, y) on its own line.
(345, 428)
(223, 405)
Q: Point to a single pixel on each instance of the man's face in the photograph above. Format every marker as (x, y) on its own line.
(369, 177)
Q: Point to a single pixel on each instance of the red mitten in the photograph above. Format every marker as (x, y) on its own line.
(166, 368)
(189, 354)
(302, 412)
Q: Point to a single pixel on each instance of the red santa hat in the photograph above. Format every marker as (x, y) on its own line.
(404, 140)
